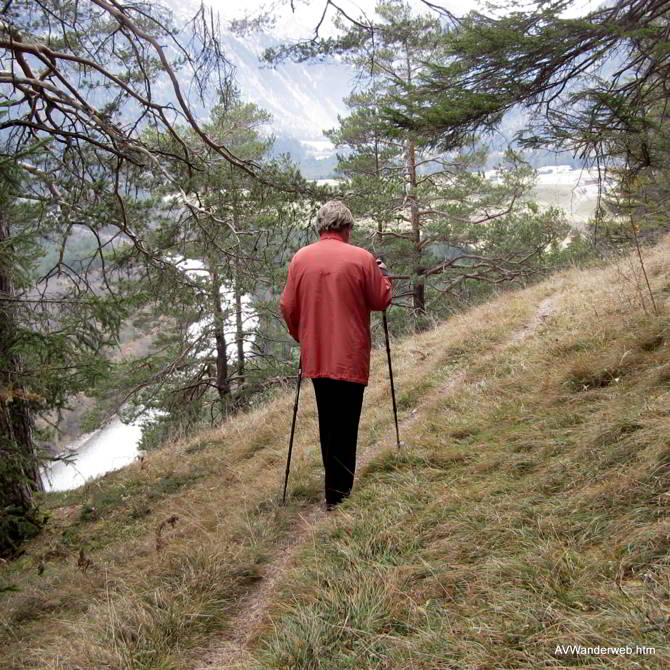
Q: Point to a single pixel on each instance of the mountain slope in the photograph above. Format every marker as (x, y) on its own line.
(527, 510)
(304, 99)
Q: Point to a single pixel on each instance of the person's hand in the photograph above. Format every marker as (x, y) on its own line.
(382, 267)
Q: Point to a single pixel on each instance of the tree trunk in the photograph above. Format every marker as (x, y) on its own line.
(222, 382)
(237, 282)
(419, 282)
(418, 299)
(239, 322)
(379, 237)
(19, 466)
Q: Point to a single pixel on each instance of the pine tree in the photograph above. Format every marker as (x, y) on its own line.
(52, 333)
(439, 219)
(228, 228)
(19, 464)
(590, 82)
(81, 82)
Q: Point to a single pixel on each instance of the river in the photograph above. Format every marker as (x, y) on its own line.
(116, 444)
(111, 447)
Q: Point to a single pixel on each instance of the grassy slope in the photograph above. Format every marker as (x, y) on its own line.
(529, 508)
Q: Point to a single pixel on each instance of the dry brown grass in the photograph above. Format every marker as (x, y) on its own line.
(528, 508)
(531, 512)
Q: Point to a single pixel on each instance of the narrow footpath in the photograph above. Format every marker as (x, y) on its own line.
(230, 650)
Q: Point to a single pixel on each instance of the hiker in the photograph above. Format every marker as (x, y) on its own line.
(331, 289)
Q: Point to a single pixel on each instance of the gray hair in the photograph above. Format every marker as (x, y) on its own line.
(334, 215)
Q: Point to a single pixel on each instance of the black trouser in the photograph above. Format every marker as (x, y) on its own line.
(339, 404)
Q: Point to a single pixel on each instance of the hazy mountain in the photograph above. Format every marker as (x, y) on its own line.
(304, 99)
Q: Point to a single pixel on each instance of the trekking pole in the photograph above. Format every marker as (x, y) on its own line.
(290, 443)
(388, 355)
(380, 259)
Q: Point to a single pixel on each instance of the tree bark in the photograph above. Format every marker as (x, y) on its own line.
(419, 285)
(379, 237)
(222, 382)
(239, 321)
(19, 465)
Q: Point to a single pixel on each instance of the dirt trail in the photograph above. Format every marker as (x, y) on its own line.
(230, 650)
(544, 310)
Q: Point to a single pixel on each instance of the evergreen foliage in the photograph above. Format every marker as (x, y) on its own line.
(51, 338)
(78, 89)
(596, 85)
(433, 214)
(225, 238)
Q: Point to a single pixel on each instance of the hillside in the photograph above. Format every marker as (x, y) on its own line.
(529, 508)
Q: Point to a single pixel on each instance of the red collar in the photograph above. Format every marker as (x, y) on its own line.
(333, 235)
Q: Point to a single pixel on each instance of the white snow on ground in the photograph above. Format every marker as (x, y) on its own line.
(575, 191)
(565, 174)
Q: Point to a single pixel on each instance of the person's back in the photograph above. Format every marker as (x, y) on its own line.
(331, 288)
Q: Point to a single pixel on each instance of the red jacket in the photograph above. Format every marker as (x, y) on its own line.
(331, 289)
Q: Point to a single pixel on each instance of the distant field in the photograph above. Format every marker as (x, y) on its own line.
(578, 202)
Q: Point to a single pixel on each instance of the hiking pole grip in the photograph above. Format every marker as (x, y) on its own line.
(290, 443)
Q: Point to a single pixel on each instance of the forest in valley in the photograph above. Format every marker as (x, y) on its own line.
(146, 220)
